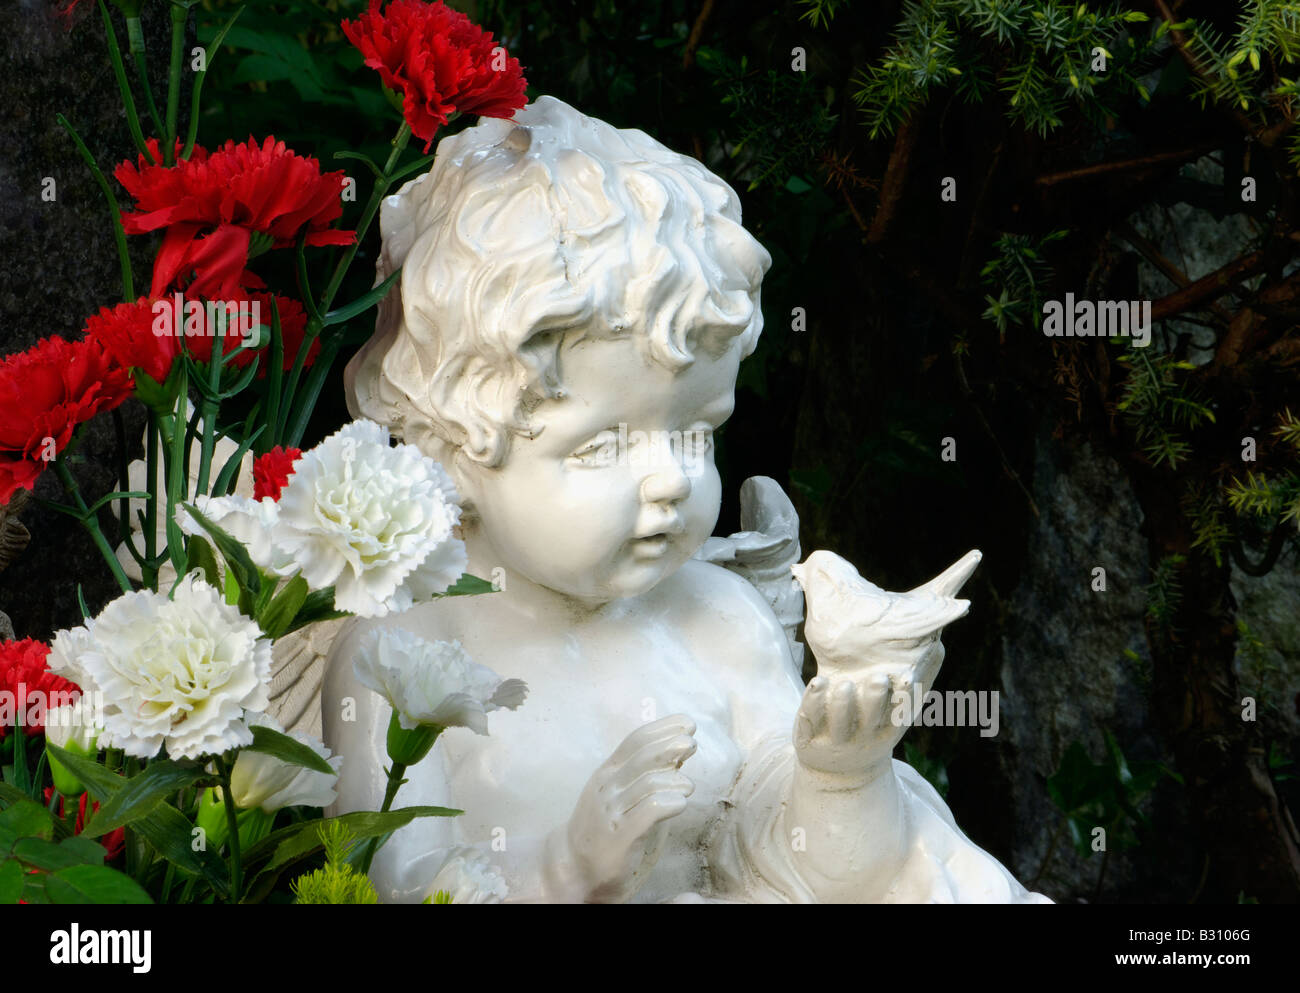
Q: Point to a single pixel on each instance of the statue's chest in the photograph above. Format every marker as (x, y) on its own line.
(584, 698)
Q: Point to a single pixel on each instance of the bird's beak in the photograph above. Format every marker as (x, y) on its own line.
(948, 582)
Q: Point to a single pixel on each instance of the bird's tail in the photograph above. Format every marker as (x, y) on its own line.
(948, 582)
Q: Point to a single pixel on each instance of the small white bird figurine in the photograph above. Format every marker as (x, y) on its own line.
(852, 622)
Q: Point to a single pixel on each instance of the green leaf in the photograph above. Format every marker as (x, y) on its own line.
(279, 616)
(199, 555)
(116, 495)
(10, 794)
(50, 857)
(468, 585)
(319, 606)
(379, 173)
(268, 741)
(34, 887)
(90, 851)
(171, 834)
(235, 554)
(362, 303)
(99, 782)
(300, 840)
(141, 794)
(223, 483)
(24, 819)
(93, 884)
(409, 168)
(12, 878)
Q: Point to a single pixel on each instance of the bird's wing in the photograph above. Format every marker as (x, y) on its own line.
(764, 552)
(297, 670)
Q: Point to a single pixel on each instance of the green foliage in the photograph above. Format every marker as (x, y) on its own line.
(1103, 795)
(1274, 498)
(1039, 54)
(1160, 407)
(1239, 69)
(1018, 271)
(337, 881)
(1165, 593)
(820, 13)
(935, 771)
(781, 119)
(1204, 508)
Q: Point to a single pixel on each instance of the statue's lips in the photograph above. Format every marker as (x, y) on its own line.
(652, 547)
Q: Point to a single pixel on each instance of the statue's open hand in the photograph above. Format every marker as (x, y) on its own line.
(618, 826)
(850, 720)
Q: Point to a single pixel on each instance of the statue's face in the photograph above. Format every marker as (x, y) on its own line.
(618, 487)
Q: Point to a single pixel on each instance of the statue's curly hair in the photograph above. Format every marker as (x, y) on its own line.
(528, 233)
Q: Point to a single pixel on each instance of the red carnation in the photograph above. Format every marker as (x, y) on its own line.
(440, 60)
(114, 842)
(212, 205)
(252, 310)
(45, 392)
(128, 334)
(271, 472)
(25, 673)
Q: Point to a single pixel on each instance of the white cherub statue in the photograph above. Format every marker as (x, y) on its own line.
(574, 303)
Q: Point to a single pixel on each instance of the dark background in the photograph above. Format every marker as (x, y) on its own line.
(1102, 691)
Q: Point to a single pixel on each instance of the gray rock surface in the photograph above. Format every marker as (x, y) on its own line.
(58, 265)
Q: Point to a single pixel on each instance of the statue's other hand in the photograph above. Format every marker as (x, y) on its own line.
(617, 829)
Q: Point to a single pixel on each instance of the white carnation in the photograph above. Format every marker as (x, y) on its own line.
(432, 682)
(176, 672)
(66, 650)
(468, 877)
(260, 780)
(250, 522)
(373, 521)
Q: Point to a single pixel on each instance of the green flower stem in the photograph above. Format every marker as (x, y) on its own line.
(395, 780)
(177, 480)
(124, 483)
(91, 524)
(236, 865)
(372, 207)
(180, 17)
(124, 87)
(150, 572)
(316, 323)
(311, 391)
(210, 404)
(135, 40)
(119, 235)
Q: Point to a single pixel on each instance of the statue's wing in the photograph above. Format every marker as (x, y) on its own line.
(297, 669)
(764, 552)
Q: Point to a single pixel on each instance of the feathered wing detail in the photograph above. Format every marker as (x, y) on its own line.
(764, 551)
(14, 536)
(297, 670)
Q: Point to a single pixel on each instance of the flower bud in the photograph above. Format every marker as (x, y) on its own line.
(408, 747)
(71, 727)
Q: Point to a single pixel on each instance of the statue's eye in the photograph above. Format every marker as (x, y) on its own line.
(601, 451)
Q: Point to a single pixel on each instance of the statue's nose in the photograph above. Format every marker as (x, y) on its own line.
(668, 484)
